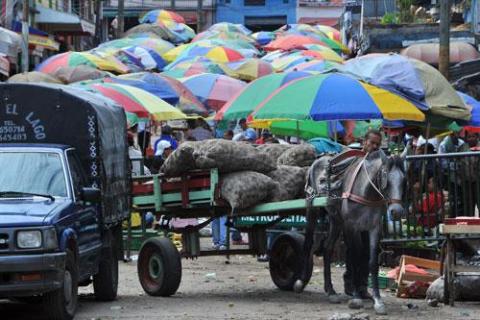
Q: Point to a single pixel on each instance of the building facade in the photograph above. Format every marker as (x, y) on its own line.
(195, 12)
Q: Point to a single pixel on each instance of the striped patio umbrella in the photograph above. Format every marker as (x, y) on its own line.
(330, 32)
(148, 57)
(316, 66)
(320, 52)
(170, 90)
(244, 103)
(248, 69)
(286, 62)
(230, 27)
(213, 90)
(73, 59)
(137, 101)
(158, 45)
(155, 16)
(216, 54)
(323, 97)
(193, 65)
(221, 35)
(263, 37)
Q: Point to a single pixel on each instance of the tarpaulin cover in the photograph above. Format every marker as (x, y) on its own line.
(92, 124)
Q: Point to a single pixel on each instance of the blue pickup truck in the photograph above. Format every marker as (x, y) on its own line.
(64, 191)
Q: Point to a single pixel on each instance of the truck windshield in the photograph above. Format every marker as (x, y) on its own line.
(32, 172)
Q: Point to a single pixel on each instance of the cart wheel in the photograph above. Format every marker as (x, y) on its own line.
(159, 267)
(286, 260)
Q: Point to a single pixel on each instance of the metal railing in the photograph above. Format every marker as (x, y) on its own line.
(437, 187)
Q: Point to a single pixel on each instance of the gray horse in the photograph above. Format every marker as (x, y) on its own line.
(366, 186)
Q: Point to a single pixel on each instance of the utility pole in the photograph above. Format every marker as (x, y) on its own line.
(25, 24)
(444, 51)
(199, 15)
(120, 18)
(98, 21)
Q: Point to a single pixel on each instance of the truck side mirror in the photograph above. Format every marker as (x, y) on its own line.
(92, 195)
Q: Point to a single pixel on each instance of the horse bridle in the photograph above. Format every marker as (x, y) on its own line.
(348, 195)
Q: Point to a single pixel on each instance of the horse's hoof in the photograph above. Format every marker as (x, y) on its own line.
(298, 286)
(355, 303)
(334, 299)
(380, 309)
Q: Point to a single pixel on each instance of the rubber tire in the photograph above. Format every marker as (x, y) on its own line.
(105, 282)
(164, 252)
(284, 271)
(54, 302)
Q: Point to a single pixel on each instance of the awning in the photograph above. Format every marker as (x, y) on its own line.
(332, 22)
(10, 43)
(63, 22)
(37, 37)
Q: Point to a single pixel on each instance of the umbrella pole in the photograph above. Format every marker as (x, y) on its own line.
(335, 133)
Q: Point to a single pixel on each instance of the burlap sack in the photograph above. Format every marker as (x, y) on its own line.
(230, 156)
(302, 155)
(289, 183)
(245, 189)
(274, 150)
(181, 160)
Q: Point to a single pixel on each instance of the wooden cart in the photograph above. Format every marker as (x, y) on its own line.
(196, 195)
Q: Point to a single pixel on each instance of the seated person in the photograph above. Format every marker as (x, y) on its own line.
(430, 209)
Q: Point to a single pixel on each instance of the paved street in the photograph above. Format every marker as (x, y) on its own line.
(239, 290)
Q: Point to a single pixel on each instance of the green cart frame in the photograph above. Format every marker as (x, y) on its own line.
(196, 195)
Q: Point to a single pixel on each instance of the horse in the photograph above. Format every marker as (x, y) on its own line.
(366, 186)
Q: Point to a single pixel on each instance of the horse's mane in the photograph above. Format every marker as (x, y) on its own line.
(396, 161)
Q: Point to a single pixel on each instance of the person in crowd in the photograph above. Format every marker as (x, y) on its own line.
(164, 149)
(228, 135)
(430, 209)
(219, 233)
(266, 135)
(241, 126)
(201, 131)
(167, 135)
(248, 135)
(473, 142)
(136, 157)
(453, 170)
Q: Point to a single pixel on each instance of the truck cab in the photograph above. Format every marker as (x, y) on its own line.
(63, 196)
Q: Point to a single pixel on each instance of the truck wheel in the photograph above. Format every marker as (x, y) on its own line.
(286, 260)
(61, 304)
(159, 267)
(105, 282)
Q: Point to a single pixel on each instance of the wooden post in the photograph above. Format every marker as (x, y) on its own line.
(444, 51)
(199, 15)
(98, 21)
(120, 18)
(25, 31)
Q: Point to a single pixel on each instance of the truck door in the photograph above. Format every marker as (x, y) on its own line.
(87, 220)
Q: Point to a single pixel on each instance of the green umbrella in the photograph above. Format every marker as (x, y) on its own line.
(302, 129)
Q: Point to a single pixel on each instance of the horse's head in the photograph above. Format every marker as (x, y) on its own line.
(395, 186)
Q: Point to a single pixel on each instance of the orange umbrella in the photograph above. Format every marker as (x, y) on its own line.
(289, 42)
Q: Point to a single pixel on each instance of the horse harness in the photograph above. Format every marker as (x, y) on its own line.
(348, 195)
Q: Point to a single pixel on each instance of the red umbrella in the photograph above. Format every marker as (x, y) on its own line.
(289, 42)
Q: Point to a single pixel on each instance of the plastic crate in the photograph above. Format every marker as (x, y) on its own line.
(383, 281)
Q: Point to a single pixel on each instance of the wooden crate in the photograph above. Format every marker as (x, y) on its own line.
(405, 278)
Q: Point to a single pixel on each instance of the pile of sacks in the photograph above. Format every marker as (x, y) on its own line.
(249, 175)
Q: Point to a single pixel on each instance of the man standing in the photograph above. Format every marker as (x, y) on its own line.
(372, 143)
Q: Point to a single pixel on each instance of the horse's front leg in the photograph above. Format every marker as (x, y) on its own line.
(311, 219)
(378, 304)
(333, 234)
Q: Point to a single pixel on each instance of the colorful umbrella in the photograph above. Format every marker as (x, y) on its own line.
(171, 91)
(244, 103)
(140, 102)
(330, 32)
(474, 123)
(285, 62)
(150, 31)
(158, 45)
(299, 28)
(324, 53)
(216, 54)
(316, 66)
(334, 96)
(419, 82)
(263, 37)
(149, 58)
(272, 56)
(230, 27)
(248, 69)
(213, 90)
(34, 76)
(155, 16)
(79, 73)
(194, 65)
(233, 36)
(290, 42)
(304, 129)
(245, 49)
(73, 59)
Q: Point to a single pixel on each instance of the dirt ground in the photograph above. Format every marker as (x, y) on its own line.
(241, 289)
